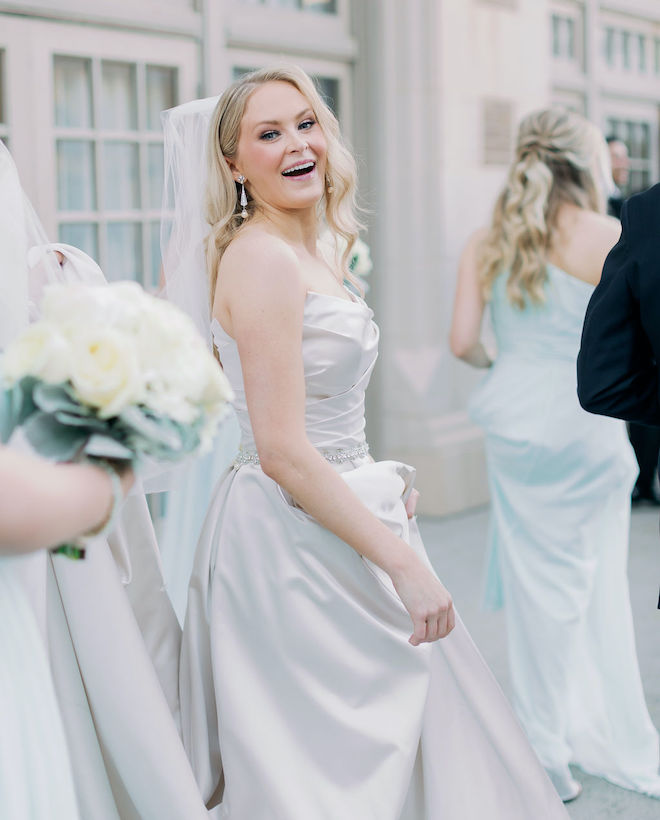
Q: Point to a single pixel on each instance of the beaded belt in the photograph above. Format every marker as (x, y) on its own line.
(335, 456)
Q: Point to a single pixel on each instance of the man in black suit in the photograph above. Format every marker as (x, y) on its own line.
(618, 366)
(645, 440)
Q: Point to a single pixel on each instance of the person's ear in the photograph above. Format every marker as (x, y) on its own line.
(234, 170)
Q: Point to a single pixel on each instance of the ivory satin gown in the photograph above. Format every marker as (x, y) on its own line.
(301, 697)
(560, 481)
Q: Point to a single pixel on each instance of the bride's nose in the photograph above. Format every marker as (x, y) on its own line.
(297, 142)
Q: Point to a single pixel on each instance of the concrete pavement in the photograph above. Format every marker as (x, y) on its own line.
(456, 546)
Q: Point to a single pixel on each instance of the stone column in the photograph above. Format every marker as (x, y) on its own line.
(427, 74)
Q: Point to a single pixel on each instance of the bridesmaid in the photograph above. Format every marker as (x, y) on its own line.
(314, 683)
(41, 505)
(560, 478)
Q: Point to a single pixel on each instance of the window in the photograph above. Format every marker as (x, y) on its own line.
(4, 131)
(328, 87)
(625, 48)
(610, 46)
(641, 52)
(636, 134)
(109, 157)
(319, 6)
(564, 37)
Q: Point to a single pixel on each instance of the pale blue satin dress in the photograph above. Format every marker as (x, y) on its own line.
(560, 482)
(301, 697)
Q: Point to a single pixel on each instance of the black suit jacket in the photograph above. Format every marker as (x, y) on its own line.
(618, 365)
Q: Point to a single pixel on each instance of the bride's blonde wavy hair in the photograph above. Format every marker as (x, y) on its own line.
(223, 211)
(559, 158)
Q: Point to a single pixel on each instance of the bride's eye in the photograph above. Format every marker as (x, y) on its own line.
(306, 124)
(268, 135)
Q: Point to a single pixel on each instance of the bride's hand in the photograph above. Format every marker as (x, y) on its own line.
(427, 601)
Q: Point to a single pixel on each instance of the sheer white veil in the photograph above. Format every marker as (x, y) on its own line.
(28, 263)
(183, 226)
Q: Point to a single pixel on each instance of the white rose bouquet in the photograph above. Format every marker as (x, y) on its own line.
(111, 373)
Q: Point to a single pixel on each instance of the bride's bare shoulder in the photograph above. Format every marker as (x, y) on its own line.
(257, 261)
(258, 268)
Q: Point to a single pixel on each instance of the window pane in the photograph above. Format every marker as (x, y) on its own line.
(641, 46)
(625, 48)
(161, 93)
(76, 187)
(121, 176)
(124, 251)
(155, 174)
(239, 71)
(119, 98)
(322, 6)
(154, 254)
(73, 92)
(329, 90)
(2, 86)
(609, 46)
(83, 235)
(639, 181)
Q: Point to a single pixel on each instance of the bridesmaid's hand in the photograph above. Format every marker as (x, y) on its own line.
(411, 503)
(428, 603)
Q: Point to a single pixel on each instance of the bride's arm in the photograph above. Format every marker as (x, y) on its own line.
(260, 302)
(44, 504)
(465, 334)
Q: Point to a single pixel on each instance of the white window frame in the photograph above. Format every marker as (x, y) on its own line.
(30, 45)
(340, 71)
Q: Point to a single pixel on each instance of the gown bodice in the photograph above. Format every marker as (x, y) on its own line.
(339, 350)
(550, 330)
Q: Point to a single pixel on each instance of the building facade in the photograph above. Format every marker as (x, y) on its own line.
(428, 93)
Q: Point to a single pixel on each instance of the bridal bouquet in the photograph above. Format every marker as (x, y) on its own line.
(111, 373)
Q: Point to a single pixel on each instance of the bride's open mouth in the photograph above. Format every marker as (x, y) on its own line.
(302, 169)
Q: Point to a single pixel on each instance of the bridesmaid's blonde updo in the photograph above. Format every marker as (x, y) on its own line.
(223, 210)
(559, 158)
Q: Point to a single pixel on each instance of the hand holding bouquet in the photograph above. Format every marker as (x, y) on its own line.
(112, 373)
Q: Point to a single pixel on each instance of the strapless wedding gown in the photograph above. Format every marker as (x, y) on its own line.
(301, 697)
(560, 482)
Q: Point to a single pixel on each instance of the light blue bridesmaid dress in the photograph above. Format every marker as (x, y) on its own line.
(560, 482)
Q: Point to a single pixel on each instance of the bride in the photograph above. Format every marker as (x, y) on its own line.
(313, 682)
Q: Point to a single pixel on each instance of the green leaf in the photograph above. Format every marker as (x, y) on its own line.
(89, 423)
(160, 432)
(25, 399)
(53, 440)
(53, 397)
(70, 551)
(100, 446)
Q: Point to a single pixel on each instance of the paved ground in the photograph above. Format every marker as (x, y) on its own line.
(456, 547)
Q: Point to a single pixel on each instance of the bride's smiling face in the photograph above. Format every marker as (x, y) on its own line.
(281, 149)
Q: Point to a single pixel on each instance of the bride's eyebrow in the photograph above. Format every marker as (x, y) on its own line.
(305, 113)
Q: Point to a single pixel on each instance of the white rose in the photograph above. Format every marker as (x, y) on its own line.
(105, 372)
(40, 351)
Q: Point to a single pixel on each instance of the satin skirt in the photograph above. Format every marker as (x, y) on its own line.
(300, 694)
(36, 781)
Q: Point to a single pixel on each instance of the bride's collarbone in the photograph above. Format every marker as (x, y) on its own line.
(318, 277)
